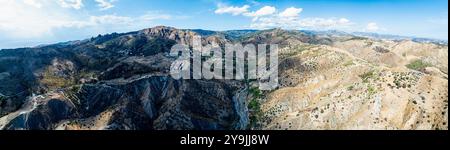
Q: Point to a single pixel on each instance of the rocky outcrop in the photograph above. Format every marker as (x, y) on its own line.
(181, 36)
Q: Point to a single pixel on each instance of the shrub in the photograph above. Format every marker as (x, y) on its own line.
(255, 107)
(350, 88)
(349, 63)
(2, 98)
(366, 76)
(256, 113)
(418, 65)
(357, 38)
(371, 90)
(2, 103)
(255, 92)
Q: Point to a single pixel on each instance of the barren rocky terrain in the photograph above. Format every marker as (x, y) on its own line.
(329, 87)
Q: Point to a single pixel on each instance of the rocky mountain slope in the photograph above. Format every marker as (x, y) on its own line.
(117, 81)
(359, 83)
(327, 81)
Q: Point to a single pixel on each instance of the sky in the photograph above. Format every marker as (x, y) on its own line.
(25, 23)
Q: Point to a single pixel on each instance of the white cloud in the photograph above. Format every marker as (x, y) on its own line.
(149, 16)
(372, 27)
(253, 2)
(324, 23)
(291, 12)
(290, 19)
(439, 21)
(297, 23)
(75, 4)
(34, 3)
(264, 11)
(267, 17)
(100, 20)
(234, 10)
(105, 4)
(116, 20)
(20, 20)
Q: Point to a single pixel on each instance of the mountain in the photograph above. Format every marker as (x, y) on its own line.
(360, 84)
(116, 81)
(328, 80)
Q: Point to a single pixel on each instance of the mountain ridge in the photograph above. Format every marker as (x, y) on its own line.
(243, 32)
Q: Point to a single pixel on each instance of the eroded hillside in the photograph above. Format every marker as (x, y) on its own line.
(359, 84)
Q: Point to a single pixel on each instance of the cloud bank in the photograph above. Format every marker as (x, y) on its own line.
(26, 19)
(289, 18)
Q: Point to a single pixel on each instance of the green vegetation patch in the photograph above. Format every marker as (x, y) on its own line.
(357, 38)
(255, 92)
(351, 87)
(418, 65)
(371, 90)
(368, 75)
(2, 98)
(349, 63)
(53, 81)
(255, 106)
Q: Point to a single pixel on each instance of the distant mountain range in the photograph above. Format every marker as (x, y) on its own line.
(236, 34)
(397, 37)
(377, 36)
(239, 33)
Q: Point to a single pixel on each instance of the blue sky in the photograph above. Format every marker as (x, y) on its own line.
(33, 22)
